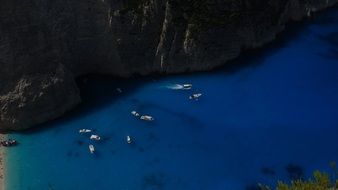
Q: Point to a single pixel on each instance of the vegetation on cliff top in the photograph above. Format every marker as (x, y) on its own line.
(319, 181)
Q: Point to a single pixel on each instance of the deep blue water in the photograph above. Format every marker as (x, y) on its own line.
(279, 108)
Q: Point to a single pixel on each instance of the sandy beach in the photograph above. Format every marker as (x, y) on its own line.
(2, 153)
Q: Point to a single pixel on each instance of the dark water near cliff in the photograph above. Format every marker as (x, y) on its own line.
(275, 117)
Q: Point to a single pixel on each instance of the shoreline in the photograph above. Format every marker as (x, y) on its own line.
(2, 164)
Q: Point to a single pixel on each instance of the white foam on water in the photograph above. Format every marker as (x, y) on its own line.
(175, 87)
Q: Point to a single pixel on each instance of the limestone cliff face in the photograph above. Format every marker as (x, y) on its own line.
(45, 44)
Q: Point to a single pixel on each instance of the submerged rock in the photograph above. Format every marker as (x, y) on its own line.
(44, 45)
(154, 181)
(295, 172)
(268, 171)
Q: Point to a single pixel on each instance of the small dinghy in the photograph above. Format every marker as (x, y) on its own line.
(91, 148)
(195, 96)
(95, 137)
(134, 113)
(147, 118)
(85, 131)
(9, 142)
(129, 141)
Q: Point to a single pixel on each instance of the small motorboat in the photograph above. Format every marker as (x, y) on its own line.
(95, 137)
(85, 131)
(134, 113)
(195, 96)
(147, 118)
(91, 148)
(129, 140)
(9, 142)
(181, 87)
(119, 90)
(187, 86)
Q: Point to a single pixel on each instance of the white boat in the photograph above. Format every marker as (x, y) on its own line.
(129, 140)
(119, 90)
(95, 137)
(187, 86)
(195, 96)
(91, 148)
(134, 113)
(182, 86)
(147, 118)
(85, 131)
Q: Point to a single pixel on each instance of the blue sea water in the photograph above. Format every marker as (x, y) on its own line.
(273, 116)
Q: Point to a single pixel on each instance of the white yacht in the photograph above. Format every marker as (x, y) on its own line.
(187, 86)
(95, 137)
(147, 118)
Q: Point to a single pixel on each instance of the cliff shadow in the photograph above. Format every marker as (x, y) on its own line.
(293, 31)
(98, 91)
(332, 40)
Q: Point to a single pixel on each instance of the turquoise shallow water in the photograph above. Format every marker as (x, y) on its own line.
(278, 109)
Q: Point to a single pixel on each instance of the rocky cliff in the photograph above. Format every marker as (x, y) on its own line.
(45, 44)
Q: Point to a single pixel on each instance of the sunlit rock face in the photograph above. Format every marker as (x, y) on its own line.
(45, 44)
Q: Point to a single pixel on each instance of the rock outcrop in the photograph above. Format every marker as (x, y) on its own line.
(45, 44)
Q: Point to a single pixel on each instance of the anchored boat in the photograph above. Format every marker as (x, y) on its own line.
(129, 140)
(195, 96)
(9, 142)
(134, 113)
(91, 148)
(85, 131)
(147, 118)
(95, 137)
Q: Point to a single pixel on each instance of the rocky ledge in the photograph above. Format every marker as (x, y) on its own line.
(45, 44)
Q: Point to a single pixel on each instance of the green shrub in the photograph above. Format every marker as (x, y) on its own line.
(319, 181)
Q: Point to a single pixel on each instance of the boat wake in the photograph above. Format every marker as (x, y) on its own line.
(175, 87)
(179, 86)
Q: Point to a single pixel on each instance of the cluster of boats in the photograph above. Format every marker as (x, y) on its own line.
(92, 137)
(95, 137)
(9, 142)
(142, 117)
(194, 96)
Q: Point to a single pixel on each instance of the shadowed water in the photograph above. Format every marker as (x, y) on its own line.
(274, 117)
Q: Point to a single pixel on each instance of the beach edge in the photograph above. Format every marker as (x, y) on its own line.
(2, 165)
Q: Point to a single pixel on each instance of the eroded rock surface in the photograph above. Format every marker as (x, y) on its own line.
(45, 44)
